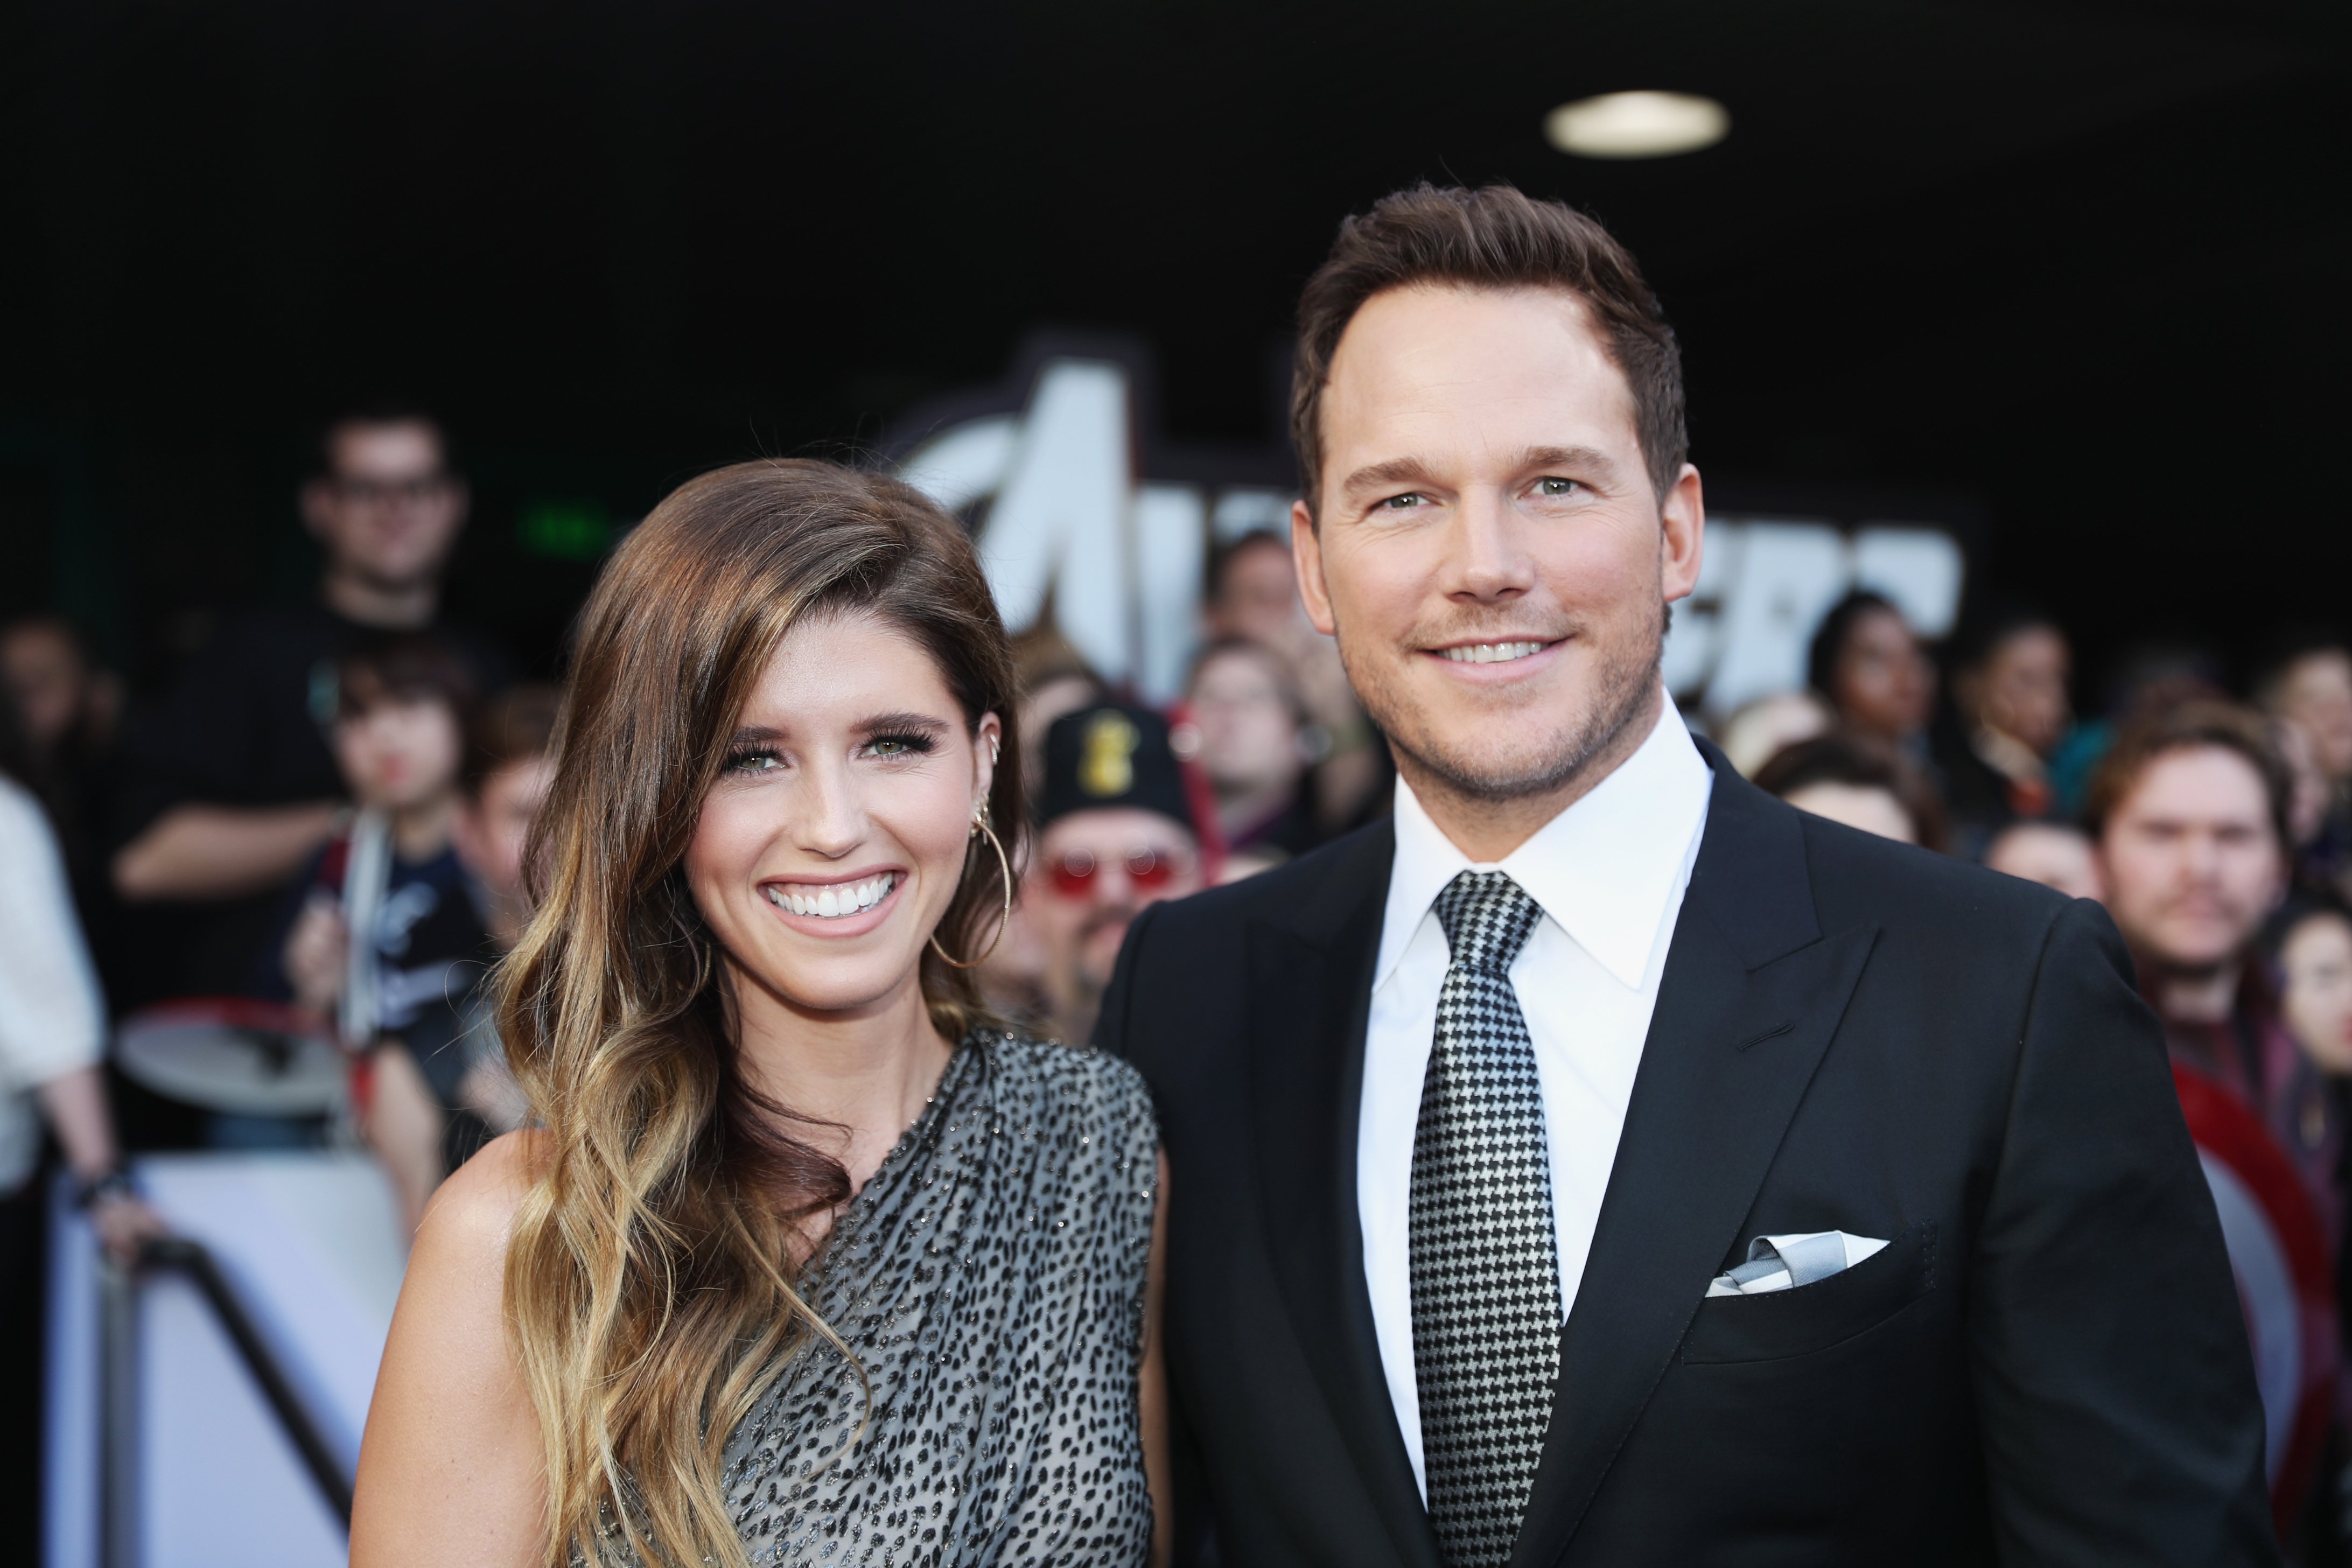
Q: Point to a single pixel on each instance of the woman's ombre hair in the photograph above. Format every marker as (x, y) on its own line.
(650, 1292)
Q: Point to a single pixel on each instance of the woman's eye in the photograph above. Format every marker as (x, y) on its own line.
(753, 762)
(894, 747)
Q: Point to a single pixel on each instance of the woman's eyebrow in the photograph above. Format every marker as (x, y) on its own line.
(894, 723)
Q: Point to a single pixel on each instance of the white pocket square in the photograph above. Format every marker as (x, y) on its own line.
(1780, 1262)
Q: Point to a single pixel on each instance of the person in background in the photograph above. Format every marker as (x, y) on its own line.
(1053, 679)
(1867, 662)
(2313, 946)
(2308, 686)
(385, 933)
(1859, 780)
(1115, 834)
(510, 764)
(52, 1038)
(71, 709)
(1254, 740)
(2055, 854)
(231, 788)
(1759, 728)
(2010, 710)
(1254, 597)
(2188, 809)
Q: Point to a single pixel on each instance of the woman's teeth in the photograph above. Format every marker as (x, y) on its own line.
(834, 899)
(1493, 652)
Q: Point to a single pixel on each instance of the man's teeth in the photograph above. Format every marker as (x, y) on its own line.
(1493, 652)
(835, 899)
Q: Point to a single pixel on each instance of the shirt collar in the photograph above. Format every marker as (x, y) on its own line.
(1603, 869)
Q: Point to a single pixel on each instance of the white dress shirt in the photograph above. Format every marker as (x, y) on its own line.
(51, 1020)
(1609, 872)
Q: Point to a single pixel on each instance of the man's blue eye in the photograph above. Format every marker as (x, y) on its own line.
(1399, 503)
(1555, 487)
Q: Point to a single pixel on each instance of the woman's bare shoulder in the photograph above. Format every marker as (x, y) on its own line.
(472, 1215)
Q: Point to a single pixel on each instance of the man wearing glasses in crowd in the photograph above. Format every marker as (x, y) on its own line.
(232, 786)
(1115, 832)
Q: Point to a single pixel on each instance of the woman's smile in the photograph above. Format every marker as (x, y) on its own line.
(836, 907)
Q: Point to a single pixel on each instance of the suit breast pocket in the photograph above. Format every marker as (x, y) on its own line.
(1783, 1324)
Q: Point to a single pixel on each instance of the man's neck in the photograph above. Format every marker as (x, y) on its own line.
(404, 608)
(2199, 996)
(1487, 831)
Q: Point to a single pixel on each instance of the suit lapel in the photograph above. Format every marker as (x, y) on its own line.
(1752, 992)
(1310, 994)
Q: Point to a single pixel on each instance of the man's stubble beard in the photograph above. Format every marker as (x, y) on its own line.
(1623, 686)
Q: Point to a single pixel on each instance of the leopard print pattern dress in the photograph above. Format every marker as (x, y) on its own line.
(988, 1282)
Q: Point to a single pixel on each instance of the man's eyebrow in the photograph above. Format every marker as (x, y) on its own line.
(1589, 459)
(1415, 470)
(1395, 471)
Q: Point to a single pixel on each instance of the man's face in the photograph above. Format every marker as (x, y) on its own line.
(2317, 695)
(389, 512)
(1489, 550)
(2192, 864)
(1094, 872)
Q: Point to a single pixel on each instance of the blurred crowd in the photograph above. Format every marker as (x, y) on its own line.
(323, 817)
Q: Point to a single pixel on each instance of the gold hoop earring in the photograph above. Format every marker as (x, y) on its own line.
(1004, 865)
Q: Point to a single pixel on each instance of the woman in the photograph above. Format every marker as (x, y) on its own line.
(1867, 661)
(808, 1263)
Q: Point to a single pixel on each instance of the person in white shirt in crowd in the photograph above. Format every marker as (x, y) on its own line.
(52, 1040)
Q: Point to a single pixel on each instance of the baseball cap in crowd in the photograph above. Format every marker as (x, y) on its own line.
(1111, 754)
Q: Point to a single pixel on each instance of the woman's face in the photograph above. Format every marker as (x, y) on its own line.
(830, 848)
(1885, 684)
(2024, 689)
(2317, 959)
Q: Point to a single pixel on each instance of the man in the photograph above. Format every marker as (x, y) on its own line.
(1495, 1132)
(233, 788)
(1115, 832)
(2189, 812)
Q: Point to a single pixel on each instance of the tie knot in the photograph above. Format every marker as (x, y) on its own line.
(1486, 917)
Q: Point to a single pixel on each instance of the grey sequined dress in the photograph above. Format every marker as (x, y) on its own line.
(990, 1280)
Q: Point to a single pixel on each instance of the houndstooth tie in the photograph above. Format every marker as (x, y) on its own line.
(1484, 1260)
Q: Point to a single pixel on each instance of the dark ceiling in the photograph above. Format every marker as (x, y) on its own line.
(2084, 265)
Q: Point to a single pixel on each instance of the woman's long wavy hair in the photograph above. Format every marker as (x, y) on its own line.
(649, 1283)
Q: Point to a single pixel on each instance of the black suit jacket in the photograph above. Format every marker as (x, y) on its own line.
(2046, 1366)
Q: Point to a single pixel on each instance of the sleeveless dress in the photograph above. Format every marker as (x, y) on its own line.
(990, 1281)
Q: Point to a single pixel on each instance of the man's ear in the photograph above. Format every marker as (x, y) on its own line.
(1307, 560)
(1682, 535)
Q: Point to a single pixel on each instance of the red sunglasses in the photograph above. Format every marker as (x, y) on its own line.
(1073, 873)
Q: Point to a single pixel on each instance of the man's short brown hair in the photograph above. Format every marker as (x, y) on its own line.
(1494, 238)
(2194, 725)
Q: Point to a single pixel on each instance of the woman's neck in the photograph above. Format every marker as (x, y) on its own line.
(870, 1071)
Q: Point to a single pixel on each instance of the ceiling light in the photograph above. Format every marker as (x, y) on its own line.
(1637, 125)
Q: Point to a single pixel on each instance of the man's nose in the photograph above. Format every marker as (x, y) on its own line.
(1489, 559)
